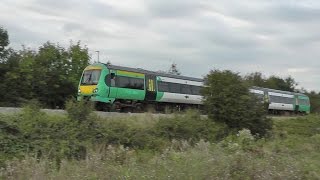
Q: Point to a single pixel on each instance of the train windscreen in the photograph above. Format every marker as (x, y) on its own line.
(90, 77)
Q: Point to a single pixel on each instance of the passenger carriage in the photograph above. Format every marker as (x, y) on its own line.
(133, 89)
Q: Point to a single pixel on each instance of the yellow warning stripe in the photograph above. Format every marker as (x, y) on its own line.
(131, 74)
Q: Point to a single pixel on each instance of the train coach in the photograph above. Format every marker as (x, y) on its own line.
(283, 101)
(134, 90)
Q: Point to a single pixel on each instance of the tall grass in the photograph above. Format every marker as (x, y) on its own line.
(180, 160)
(35, 145)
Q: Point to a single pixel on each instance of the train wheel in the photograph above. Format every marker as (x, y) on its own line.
(138, 108)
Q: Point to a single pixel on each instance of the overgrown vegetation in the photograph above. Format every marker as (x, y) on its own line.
(35, 145)
(227, 100)
(57, 137)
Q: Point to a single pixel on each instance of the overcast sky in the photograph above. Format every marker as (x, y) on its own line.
(273, 37)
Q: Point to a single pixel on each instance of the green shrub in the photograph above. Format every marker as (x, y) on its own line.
(190, 126)
(227, 100)
(56, 137)
(79, 110)
(201, 161)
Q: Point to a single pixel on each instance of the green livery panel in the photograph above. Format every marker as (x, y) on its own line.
(112, 85)
(304, 103)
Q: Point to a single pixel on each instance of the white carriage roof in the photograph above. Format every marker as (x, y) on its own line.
(276, 91)
(139, 70)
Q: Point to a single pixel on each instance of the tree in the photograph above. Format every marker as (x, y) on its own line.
(50, 75)
(9, 59)
(4, 42)
(314, 101)
(57, 72)
(227, 100)
(78, 58)
(256, 79)
(273, 82)
(174, 70)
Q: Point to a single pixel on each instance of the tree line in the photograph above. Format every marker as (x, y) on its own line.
(51, 74)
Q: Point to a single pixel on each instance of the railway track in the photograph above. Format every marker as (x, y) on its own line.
(13, 110)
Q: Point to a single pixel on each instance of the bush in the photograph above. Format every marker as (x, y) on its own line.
(227, 100)
(56, 137)
(190, 126)
(79, 110)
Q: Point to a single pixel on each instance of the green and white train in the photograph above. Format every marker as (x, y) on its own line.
(283, 101)
(132, 89)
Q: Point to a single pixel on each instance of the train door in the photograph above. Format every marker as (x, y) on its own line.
(113, 89)
(151, 89)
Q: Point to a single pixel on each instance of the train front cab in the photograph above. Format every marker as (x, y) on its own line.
(114, 88)
(302, 104)
(92, 85)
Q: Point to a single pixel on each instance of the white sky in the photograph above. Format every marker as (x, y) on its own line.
(273, 37)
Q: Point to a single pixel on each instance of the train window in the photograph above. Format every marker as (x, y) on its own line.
(163, 86)
(112, 79)
(279, 99)
(122, 82)
(288, 100)
(136, 83)
(128, 82)
(113, 75)
(196, 90)
(178, 88)
(108, 80)
(185, 89)
(304, 102)
(174, 88)
(90, 77)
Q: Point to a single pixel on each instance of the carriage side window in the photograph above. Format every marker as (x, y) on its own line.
(128, 82)
(136, 83)
(174, 88)
(108, 80)
(186, 89)
(196, 90)
(163, 86)
(275, 99)
(278, 99)
(304, 102)
(112, 79)
(178, 88)
(122, 82)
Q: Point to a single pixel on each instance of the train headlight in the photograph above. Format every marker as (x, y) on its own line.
(95, 90)
(79, 91)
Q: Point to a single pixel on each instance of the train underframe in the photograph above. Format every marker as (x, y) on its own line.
(133, 106)
(285, 112)
(142, 106)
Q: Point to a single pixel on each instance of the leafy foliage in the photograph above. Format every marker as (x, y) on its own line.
(50, 75)
(227, 100)
(273, 82)
(4, 42)
(79, 111)
(314, 101)
(190, 126)
(39, 146)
